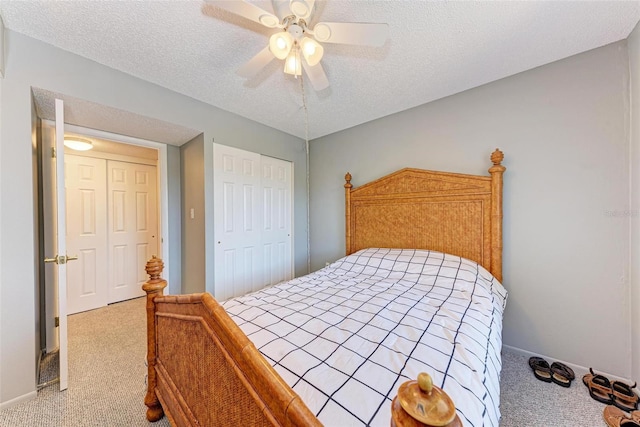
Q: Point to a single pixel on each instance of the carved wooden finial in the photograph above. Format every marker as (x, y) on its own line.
(347, 178)
(497, 157)
(154, 268)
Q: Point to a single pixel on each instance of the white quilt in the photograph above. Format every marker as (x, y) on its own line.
(345, 337)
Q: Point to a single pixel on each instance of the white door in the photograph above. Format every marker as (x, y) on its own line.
(252, 221)
(86, 188)
(133, 226)
(59, 259)
(237, 221)
(276, 187)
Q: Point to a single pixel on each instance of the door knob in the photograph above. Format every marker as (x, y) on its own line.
(60, 260)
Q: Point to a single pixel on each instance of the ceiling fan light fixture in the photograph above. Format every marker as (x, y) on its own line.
(312, 51)
(301, 8)
(78, 144)
(292, 64)
(280, 44)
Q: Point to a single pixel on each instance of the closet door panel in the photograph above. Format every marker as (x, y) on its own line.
(237, 222)
(133, 225)
(276, 186)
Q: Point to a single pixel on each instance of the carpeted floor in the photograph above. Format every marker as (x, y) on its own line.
(526, 401)
(107, 351)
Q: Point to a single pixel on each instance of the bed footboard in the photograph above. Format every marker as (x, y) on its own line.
(204, 371)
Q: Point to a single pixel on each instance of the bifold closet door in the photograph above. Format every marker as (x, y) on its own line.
(276, 186)
(86, 194)
(132, 225)
(252, 221)
(237, 222)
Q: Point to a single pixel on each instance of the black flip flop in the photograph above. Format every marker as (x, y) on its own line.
(541, 369)
(561, 374)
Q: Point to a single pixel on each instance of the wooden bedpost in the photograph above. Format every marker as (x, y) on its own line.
(347, 196)
(496, 172)
(153, 287)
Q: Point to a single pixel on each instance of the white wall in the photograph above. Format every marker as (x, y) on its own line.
(634, 61)
(33, 63)
(563, 128)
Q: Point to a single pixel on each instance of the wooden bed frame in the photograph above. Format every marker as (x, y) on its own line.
(204, 371)
(419, 209)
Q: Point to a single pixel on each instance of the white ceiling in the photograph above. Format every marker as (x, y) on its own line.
(435, 49)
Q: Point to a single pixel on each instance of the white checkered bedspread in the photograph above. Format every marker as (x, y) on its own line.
(345, 337)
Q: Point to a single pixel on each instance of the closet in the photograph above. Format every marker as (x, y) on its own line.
(252, 221)
(112, 226)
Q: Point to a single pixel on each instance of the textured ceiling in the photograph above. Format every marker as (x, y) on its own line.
(435, 49)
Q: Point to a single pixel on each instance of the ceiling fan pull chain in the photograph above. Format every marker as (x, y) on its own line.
(306, 140)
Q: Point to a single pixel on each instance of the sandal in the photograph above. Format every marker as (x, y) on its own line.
(541, 369)
(561, 374)
(623, 396)
(614, 417)
(587, 378)
(599, 387)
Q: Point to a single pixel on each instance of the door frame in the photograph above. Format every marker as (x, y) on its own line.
(162, 189)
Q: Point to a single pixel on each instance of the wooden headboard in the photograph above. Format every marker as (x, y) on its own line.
(448, 212)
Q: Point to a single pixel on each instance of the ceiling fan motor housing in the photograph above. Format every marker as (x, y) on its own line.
(296, 31)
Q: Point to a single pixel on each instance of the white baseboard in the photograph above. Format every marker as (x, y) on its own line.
(573, 366)
(19, 399)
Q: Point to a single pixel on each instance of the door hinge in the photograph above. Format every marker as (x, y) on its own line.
(53, 152)
(57, 321)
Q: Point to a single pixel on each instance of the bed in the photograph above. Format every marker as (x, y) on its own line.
(418, 290)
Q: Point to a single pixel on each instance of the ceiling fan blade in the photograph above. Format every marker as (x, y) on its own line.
(302, 8)
(360, 33)
(316, 75)
(256, 63)
(247, 10)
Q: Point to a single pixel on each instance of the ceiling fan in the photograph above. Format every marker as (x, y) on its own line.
(295, 41)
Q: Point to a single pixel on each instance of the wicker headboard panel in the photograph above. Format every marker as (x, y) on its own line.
(448, 212)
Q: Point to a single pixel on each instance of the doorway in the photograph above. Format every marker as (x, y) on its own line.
(118, 186)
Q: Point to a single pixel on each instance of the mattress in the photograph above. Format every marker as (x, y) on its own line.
(346, 336)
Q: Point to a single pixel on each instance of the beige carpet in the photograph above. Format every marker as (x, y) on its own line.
(526, 401)
(107, 351)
